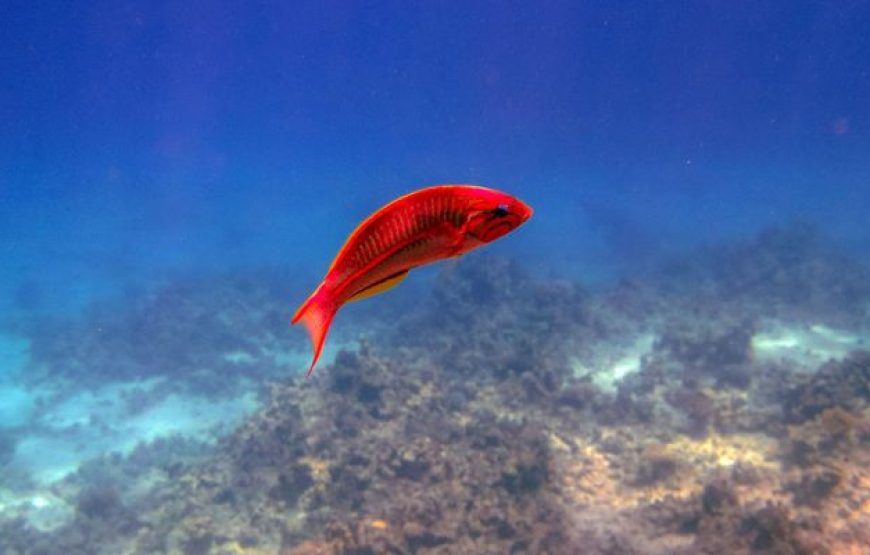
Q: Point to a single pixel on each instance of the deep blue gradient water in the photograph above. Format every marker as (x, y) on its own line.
(138, 138)
(670, 357)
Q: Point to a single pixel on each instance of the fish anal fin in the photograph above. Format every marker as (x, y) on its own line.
(381, 286)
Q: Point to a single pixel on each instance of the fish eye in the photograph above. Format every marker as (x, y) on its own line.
(501, 210)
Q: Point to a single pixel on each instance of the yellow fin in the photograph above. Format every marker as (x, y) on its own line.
(380, 286)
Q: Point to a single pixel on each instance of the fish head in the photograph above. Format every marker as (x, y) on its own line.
(494, 214)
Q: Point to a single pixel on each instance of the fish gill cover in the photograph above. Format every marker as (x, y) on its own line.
(671, 357)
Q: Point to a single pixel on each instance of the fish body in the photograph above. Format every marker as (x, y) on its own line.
(419, 228)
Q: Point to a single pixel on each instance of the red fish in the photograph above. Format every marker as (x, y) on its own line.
(419, 228)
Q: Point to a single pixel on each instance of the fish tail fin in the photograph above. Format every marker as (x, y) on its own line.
(316, 315)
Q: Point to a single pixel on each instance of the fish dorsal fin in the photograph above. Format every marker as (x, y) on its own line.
(381, 286)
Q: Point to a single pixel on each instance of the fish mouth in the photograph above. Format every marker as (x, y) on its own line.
(525, 211)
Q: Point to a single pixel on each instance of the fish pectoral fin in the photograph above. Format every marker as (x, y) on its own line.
(381, 286)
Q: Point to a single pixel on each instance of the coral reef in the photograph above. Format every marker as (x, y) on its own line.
(843, 384)
(187, 330)
(784, 271)
(520, 324)
(465, 426)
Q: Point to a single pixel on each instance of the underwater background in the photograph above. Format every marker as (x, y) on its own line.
(671, 356)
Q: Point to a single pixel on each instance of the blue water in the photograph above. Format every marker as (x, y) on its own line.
(143, 143)
(141, 137)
